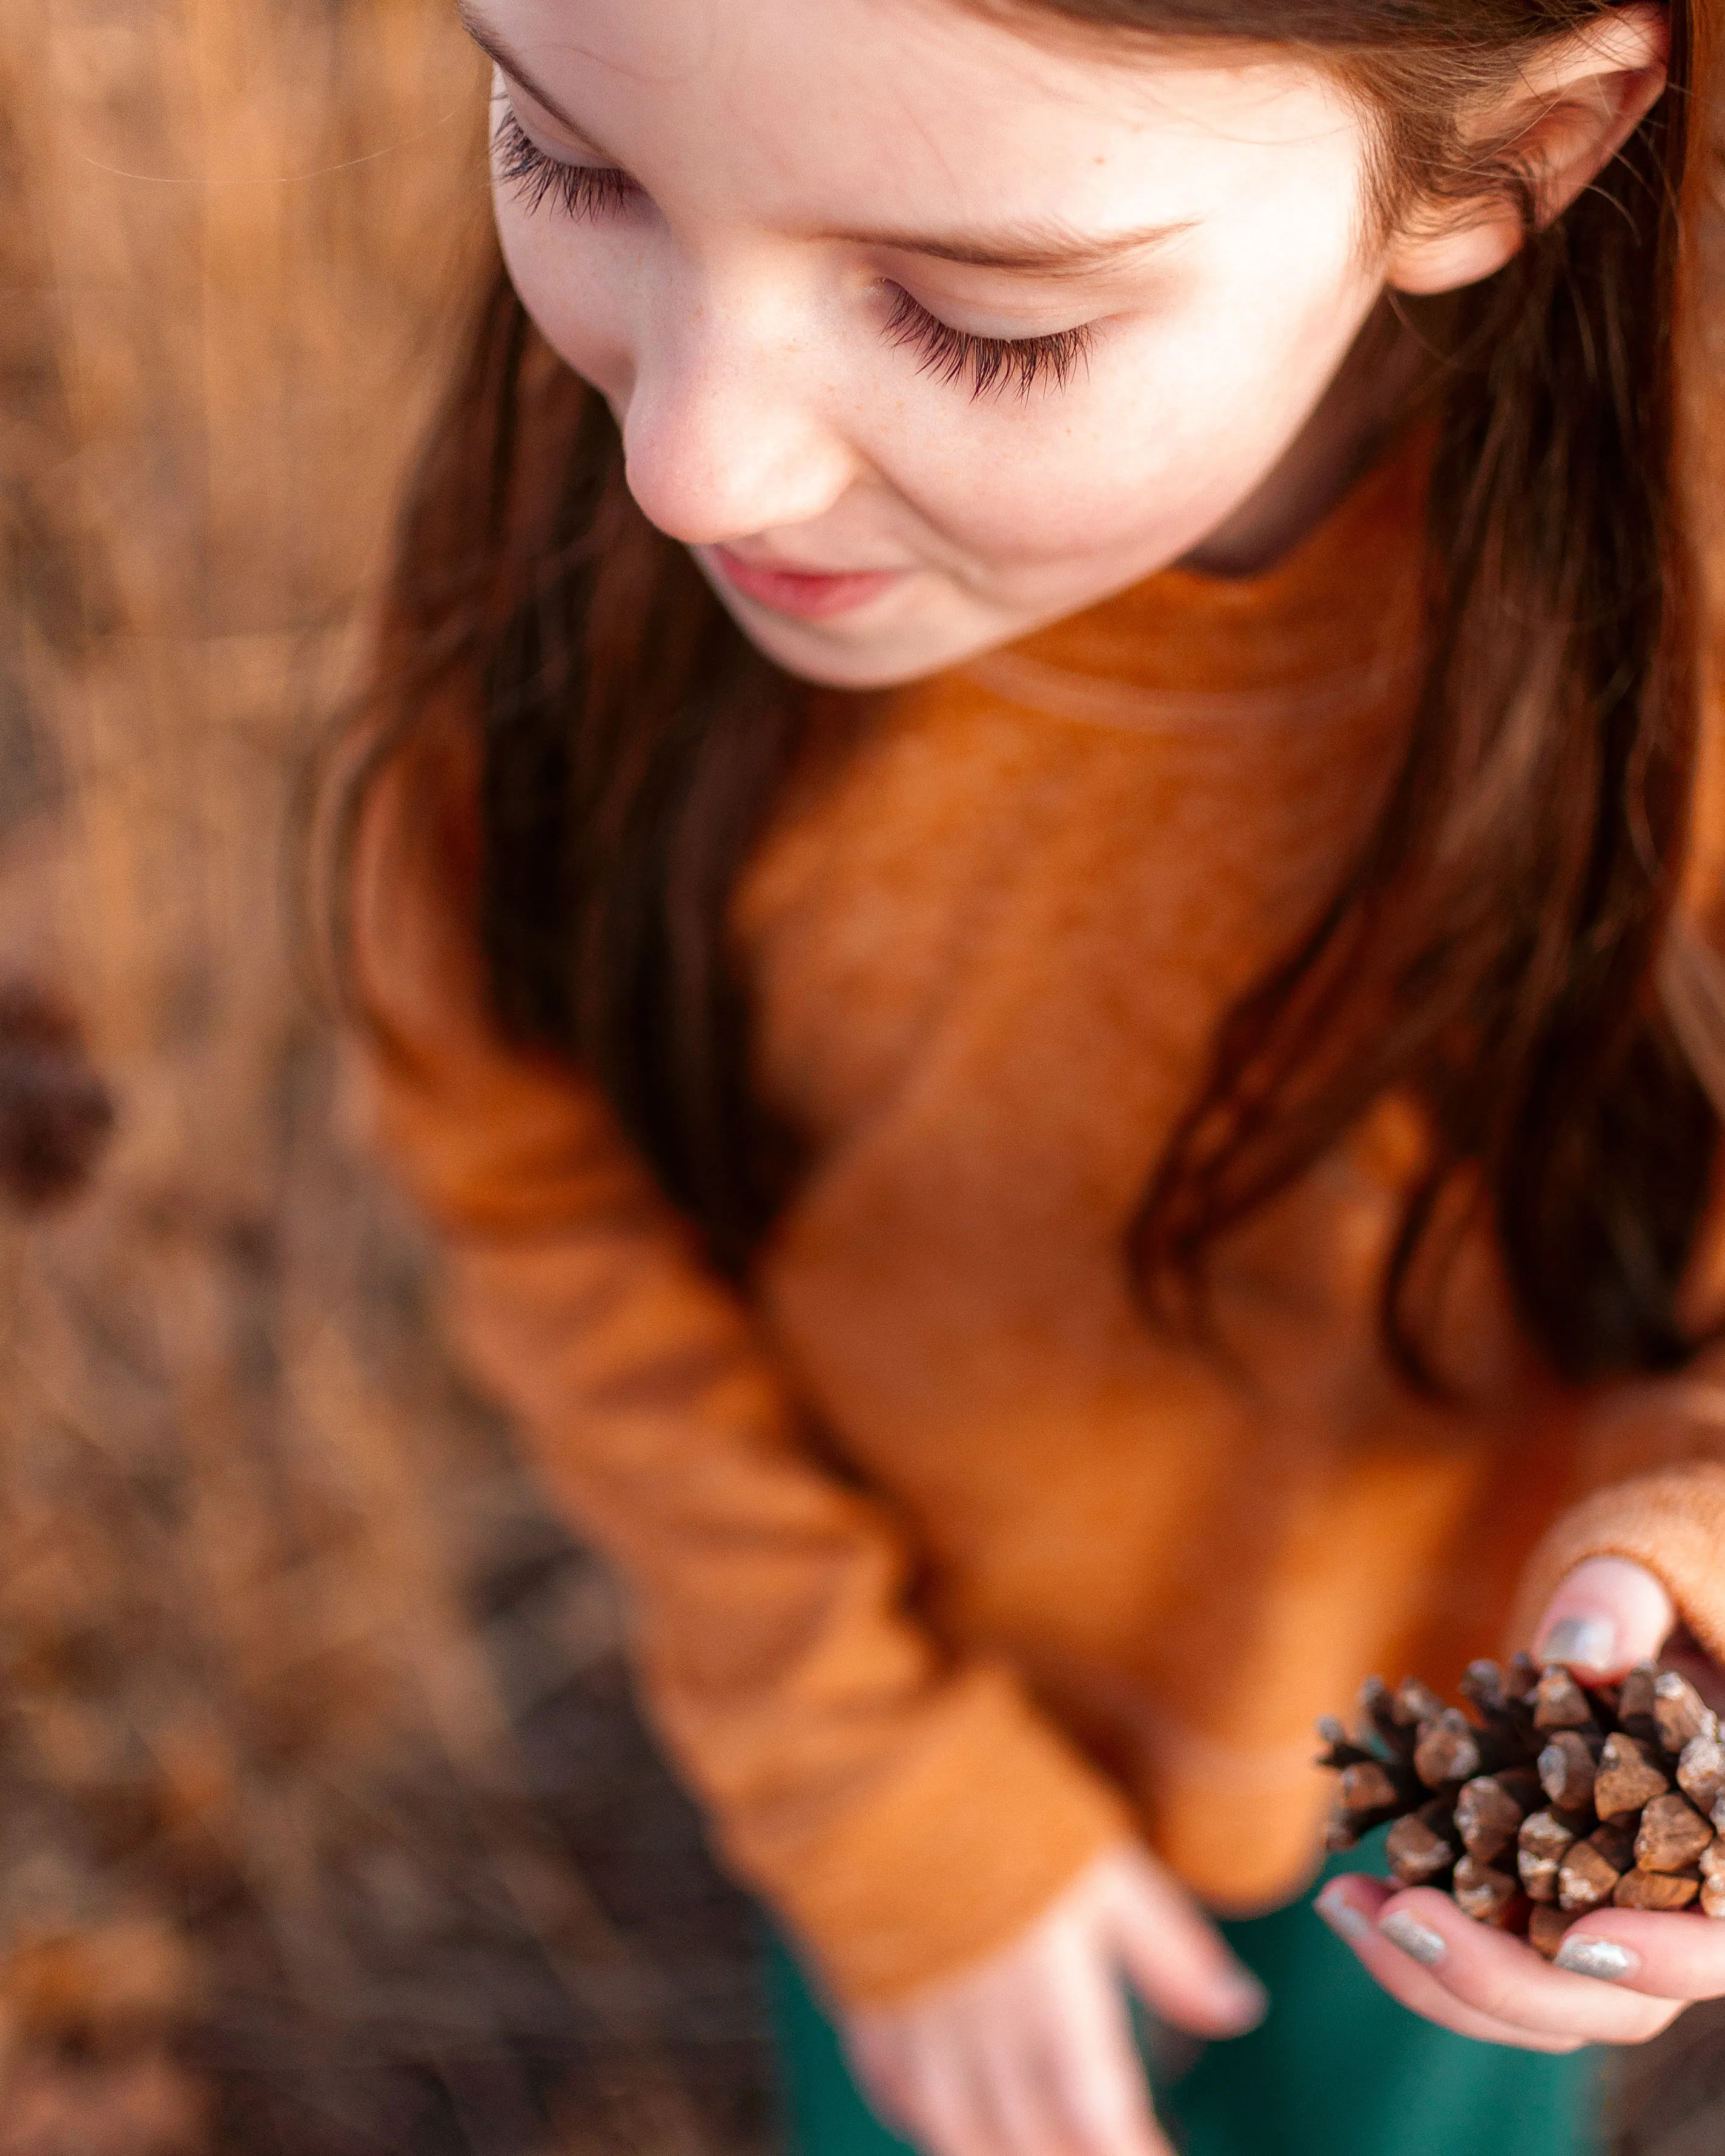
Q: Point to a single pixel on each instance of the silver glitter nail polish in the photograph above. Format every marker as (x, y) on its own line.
(1425, 1945)
(1589, 1641)
(1600, 1957)
(1342, 1917)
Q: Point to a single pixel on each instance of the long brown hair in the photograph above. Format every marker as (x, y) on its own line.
(1494, 947)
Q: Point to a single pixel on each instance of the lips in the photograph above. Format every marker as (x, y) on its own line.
(809, 594)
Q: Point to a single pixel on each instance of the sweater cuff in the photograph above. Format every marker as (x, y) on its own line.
(972, 1837)
(1673, 1522)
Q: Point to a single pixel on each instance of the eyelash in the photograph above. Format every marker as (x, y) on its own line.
(989, 364)
(582, 191)
(948, 356)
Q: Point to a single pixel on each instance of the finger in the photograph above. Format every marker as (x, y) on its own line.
(1607, 1616)
(878, 2065)
(913, 2086)
(1675, 1956)
(1175, 1959)
(1351, 1906)
(1503, 1978)
(945, 2116)
(1029, 2112)
(1016, 2094)
(1091, 2070)
(1017, 2108)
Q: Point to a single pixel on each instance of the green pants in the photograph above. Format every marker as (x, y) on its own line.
(1337, 2069)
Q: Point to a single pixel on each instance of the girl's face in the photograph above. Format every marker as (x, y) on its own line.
(921, 332)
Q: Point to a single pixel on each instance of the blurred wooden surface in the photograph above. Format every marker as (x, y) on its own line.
(326, 1825)
(326, 1821)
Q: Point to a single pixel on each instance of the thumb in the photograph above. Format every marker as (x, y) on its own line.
(1173, 1957)
(1606, 1616)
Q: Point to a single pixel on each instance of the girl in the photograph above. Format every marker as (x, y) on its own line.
(1030, 898)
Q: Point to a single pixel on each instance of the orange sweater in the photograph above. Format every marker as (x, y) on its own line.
(928, 1539)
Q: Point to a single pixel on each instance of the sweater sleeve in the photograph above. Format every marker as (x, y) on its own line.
(904, 1811)
(1651, 1458)
(1653, 1462)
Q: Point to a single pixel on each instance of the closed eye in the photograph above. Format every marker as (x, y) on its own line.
(578, 191)
(990, 365)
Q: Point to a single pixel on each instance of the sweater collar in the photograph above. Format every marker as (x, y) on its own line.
(1341, 606)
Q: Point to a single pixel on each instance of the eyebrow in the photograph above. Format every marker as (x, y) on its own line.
(496, 48)
(1048, 249)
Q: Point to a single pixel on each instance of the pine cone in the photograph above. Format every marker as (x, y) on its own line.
(1553, 1798)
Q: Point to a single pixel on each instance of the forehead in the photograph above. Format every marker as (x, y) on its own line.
(810, 106)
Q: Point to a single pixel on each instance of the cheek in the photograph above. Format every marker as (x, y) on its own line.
(1181, 418)
(576, 288)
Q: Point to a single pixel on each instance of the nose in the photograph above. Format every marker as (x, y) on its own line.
(724, 430)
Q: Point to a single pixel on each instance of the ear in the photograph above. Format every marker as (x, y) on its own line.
(1573, 105)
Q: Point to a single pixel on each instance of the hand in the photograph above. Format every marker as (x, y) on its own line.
(1642, 1969)
(1030, 2053)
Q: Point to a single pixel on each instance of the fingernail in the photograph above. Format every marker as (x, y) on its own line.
(1589, 1641)
(1601, 1957)
(1425, 1945)
(1339, 1913)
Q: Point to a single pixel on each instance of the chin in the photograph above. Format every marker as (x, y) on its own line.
(830, 658)
(858, 670)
